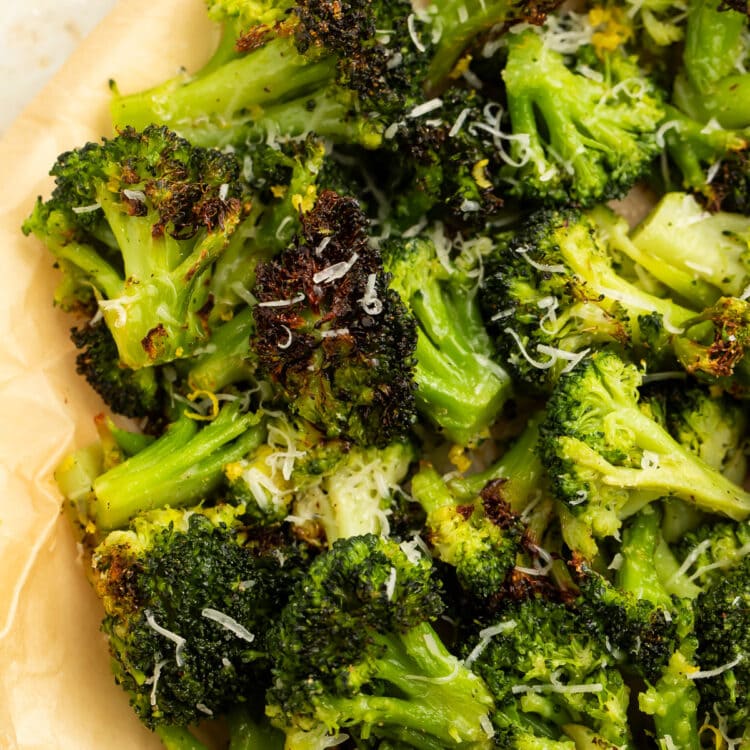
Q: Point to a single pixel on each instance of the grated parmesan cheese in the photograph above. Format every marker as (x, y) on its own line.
(229, 623)
(178, 640)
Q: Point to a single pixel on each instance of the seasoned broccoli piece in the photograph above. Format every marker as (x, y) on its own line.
(329, 489)
(714, 343)
(182, 466)
(555, 294)
(133, 393)
(329, 333)
(713, 427)
(607, 459)
(721, 626)
(474, 524)
(458, 386)
(480, 539)
(356, 653)
(189, 597)
(714, 162)
(699, 256)
(551, 679)
(577, 138)
(143, 217)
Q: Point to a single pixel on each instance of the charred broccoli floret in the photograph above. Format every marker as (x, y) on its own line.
(142, 217)
(189, 597)
(336, 341)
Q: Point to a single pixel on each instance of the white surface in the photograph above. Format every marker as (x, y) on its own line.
(36, 36)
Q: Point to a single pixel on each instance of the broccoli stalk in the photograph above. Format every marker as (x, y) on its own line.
(458, 386)
(607, 459)
(179, 468)
(356, 653)
(699, 256)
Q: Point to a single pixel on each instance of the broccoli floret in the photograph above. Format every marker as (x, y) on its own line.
(607, 459)
(699, 256)
(182, 466)
(721, 626)
(329, 489)
(551, 679)
(555, 294)
(714, 343)
(714, 162)
(329, 333)
(133, 393)
(480, 539)
(576, 138)
(355, 652)
(458, 386)
(189, 598)
(713, 427)
(143, 217)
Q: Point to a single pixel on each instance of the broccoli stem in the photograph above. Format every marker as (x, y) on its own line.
(178, 469)
(520, 465)
(438, 697)
(247, 733)
(726, 102)
(679, 472)
(273, 72)
(231, 358)
(638, 574)
(458, 386)
(178, 738)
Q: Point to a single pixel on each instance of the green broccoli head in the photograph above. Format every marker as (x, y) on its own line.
(577, 138)
(479, 538)
(189, 597)
(714, 344)
(554, 294)
(721, 626)
(355, 651)
(330, 334)
(133, 393)
(549, 673)
(607, 459)
(142, 217)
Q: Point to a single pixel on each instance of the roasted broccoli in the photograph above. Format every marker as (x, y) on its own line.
(189, 596)
(356, 654)
(607, 459)
(142, 217)
(331, 335)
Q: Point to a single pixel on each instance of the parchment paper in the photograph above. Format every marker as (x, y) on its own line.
(56, 690)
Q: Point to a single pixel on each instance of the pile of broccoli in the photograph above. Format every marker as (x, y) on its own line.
(432, 447)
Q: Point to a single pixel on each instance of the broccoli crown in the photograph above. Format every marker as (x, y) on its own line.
(188, 600)
(354, 648)
(458, 386)
(714, 344)
(546, 671)
(642, 634)
(712, 427)
(607, 458)
(133, 393)
(480, 539)
(554, 294)
(330, 334)
(596, 137)
(142, 217)
(721, 626)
